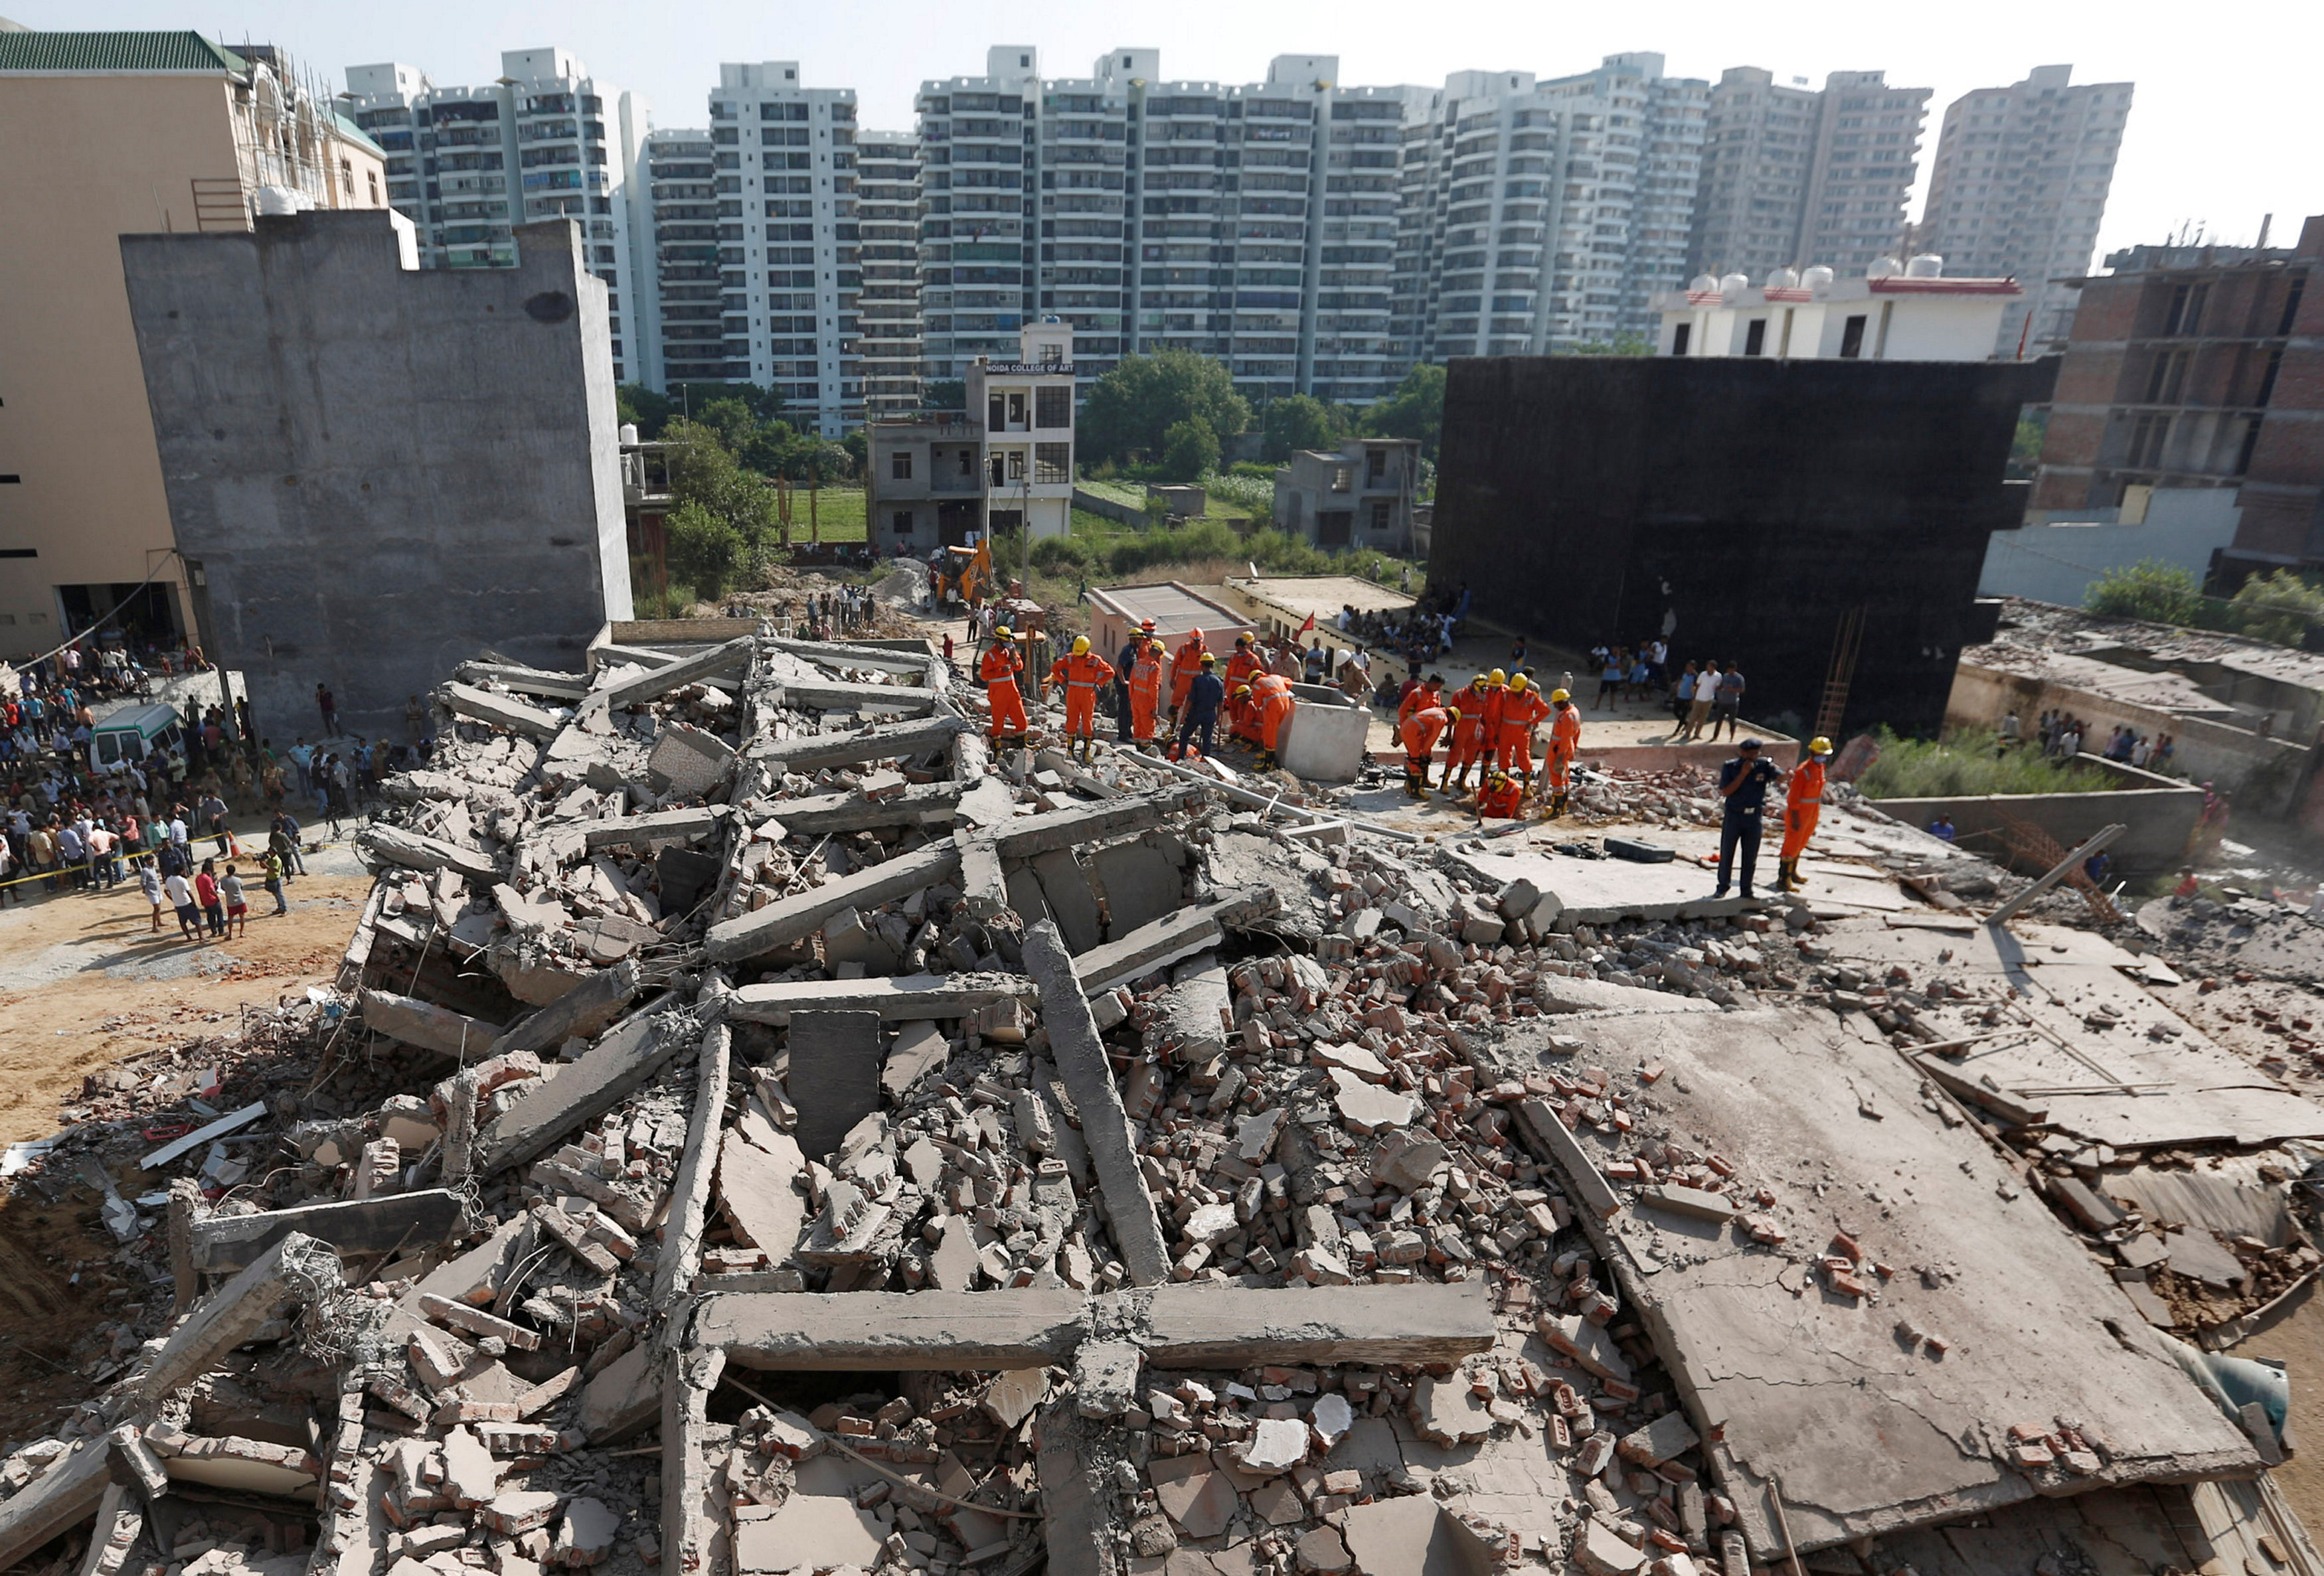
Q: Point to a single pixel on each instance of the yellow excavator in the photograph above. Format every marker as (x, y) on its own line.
(966, 576)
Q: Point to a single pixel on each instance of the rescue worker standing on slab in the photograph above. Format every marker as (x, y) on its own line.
(1521, 708)
(1205, 696)
(1082, 672)
(1499, 798)
(1802, 807)
(1185, 663)
(1121, 668)
(999, 669)
(1241, 663)
(1743, 785)
(1565, 743)
(1145, 690)
(1419, 728)
(1470, 743)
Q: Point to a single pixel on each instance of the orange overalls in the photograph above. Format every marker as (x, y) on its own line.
(1500, 802)
(1271, 693)
(1419, 697)
(1145, 692)
(1565, 743)
(1242, 715)
(1239, 668)
(1470, 738)
(1802, 805)
(1419, 729)
(999, 667)
(1184, 665)
(1081, 676)
(1520, 710)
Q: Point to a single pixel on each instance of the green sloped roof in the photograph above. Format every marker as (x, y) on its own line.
(356, 134)
(115, 51)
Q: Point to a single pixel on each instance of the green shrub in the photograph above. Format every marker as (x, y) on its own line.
(1056, 554)
(2149, 589)
(1967, 764)
(702, 550)
(2280, 607)
(1189, 450)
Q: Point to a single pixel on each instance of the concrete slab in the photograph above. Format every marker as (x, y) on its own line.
(896, 998)
(811, 752)
(834, 1075)
(894, 1330)
(1786, 1374)
(225, 1243)
(1190, 1326)
(1599, 891)
(809, 1533)
(1066, 892)
(1140, 883)
(755, 1188)
(552, 1109)
(802, 914)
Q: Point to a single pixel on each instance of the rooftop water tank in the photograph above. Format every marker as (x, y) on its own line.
(1784, 278)
(1925, 265)
(1702, 282)
(1816, 277)
(1733, 283)
(1884, 268)
(629, 432)
(282, 199)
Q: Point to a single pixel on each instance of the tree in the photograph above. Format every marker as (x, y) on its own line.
(634, 403)
(944, 394)
(1132, 409)
(2280, 607)
(1298, 421)
(1628, 342)
(704, 551)
(1189, 450)
(1417, 410)
(703, 471)
(2150, 589)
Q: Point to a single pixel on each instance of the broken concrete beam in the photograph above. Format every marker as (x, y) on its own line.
(1546, 1136)
(1082, 823)
(816, 751)
(413, 1220)
(802, 914)
(1081, 1505)
(982, 880)
(1166, 940)
(608, 1074)
(1192, 1325)
(498, 711)
(689, 1194)
(812, 695)
(894, 1330)
(848, 654)
(394, 846)
(1081, 1061)
(660, 827)
(275, 1281)
(530, 680)
(896, 998)
(584, 1009)
(645, 686)
(68, 1494)
(919, 804)
(693, 1493)
(413, 1022)
(833, 1079)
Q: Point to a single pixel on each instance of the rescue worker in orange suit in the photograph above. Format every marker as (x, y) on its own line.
(1271, 693)
(1565, 743)
(1145, 691)
(1470, 743)
(1241, 663)
(1127, 661)
(1500, 796)
(999, 670)
(1421, 696)
(1082, 672)
(1419, 728)
(1185, 663)
(1243, 717)
(1521, 708)
(1802, 807)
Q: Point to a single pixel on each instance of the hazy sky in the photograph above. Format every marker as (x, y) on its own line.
(2228, 110)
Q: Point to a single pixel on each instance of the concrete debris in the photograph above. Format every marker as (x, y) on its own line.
(1154, 1185)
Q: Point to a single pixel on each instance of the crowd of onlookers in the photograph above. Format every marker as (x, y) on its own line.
(2062, 736)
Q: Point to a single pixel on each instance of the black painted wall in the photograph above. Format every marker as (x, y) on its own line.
(1739, 507)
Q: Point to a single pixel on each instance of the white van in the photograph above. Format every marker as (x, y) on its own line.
(134, 733)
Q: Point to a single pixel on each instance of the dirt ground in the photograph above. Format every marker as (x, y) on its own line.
(2295, 1337)
(85, 983)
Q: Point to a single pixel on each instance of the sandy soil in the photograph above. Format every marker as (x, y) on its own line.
(2295, 1337)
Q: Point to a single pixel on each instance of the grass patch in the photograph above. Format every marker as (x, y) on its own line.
(1969, 763)
(839, 514)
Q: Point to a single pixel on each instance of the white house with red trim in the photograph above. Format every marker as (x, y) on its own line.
(1912, 313)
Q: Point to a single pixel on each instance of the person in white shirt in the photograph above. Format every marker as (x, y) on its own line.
(181, 897)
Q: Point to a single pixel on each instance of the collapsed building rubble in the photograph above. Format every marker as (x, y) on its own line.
(758, 1131)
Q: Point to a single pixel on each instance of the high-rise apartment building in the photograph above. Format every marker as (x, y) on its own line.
(1794, 176)
(783, 161)
(107, 134)
(888, 305)
(980, 158)
(1543, 215)
(680, 176)
(546, 141)
(2018, 187)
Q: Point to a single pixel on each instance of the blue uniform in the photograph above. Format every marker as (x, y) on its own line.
(1740, 827)
(1205, 696)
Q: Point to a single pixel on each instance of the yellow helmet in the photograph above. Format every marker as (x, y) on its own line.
(1003, 634)
(1476, 680)
(1560, 695)
(1497, 776)
(1819, 745)
(1496, 677)
(1517, 682)
(1080, 644)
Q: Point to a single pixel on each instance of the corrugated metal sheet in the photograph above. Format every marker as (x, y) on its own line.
(115, 51)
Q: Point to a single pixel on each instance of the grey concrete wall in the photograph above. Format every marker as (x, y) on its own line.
(380, 471)
(2160, 819)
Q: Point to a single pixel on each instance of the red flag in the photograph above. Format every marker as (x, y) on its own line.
(1310, 624)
